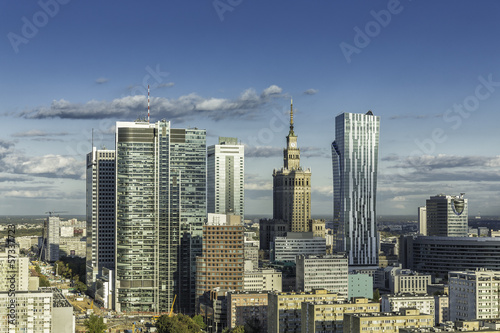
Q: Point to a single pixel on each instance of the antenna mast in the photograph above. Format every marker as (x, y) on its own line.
(148, 103)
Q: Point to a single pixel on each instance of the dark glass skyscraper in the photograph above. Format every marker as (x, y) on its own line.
(160, 209)
(355, 162)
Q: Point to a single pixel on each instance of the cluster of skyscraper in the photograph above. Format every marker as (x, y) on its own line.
(148, 200)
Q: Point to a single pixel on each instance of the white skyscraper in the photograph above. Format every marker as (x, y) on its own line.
(225, 177)
(422, 220)
(50, 242)
(100, 214)
(355, 161)
(447, 216)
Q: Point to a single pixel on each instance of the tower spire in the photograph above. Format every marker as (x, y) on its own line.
(291, 116)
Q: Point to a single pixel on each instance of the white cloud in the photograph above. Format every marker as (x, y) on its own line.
(310, 92)
(101, 80)
(184, 107)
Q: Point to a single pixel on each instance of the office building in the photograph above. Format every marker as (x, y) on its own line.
(295, 243)
(221, 262)
(440, 255)
(355, 165)
(422, 221)
(329, 316)
(160, 210)
(252, 253)
(442, 309)
(474, 294)
(285, 309)
(292, 187)
(389, 322)
(50, 242)
(394, 303)
(447, 216)
(328, 272)
(260, 279)
(243, 306)
(100, 211)
(213, 309)
(225, 177)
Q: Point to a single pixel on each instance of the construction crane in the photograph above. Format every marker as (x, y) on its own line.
(172, 308)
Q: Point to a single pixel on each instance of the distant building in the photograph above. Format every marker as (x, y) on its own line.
(295, 243)
(213, 309)
(422, 220)
(99, 246)
(440, 255)
(50, 242)
(243, 306)
(225, 177)
(474, 295)
(292, 187)
(323, 272)
(447, 216)
(442, 310)
(252, 253)
(355, 165)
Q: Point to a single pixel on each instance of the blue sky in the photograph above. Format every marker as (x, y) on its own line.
(430, 70)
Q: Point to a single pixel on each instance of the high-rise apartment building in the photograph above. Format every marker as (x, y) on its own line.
(292, 187)
(295, 243)
(100, 249)
(355, 165)
(422, 220)
(160, 209)
(447, 216)
(50, 241)
(221, 262)
(225, 177)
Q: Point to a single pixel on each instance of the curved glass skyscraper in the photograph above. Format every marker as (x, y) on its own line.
(355, 164)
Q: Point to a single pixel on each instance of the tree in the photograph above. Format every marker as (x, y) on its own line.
(376, 295)
(198, 319)
(43, 281)
(237, 329)
(95, 324)
(177, 324)
(81, 287)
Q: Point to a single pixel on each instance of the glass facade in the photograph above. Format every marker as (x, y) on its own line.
(355, 164)
(447, 216)
(160, 191)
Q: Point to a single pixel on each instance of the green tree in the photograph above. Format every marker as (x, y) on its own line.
(177, 324)
(43, 281)
(198, 319)
(95, 324)
(376, 295)
(81, 287)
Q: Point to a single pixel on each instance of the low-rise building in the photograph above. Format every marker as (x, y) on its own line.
(406, 281)
(394, 303)
(243, 307)
(386, 321)
(285, 309)
(329, 316)
(267, 279)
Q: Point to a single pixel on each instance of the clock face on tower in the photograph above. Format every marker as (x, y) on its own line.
(292, 144)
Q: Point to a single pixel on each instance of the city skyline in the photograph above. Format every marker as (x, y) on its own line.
(71, 67)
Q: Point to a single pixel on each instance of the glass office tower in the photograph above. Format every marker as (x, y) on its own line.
(160, 209)
(355, 160)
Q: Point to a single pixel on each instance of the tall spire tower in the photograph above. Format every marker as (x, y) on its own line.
(292, 186)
